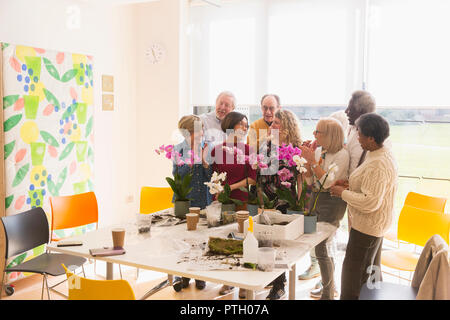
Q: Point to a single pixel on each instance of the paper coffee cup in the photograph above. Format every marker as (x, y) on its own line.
(118, 235)
(194, 210)
(191, 221)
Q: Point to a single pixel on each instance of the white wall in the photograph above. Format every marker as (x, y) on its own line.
(108, 34)
(162, 89)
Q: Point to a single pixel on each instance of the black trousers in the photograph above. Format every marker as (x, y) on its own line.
(362, 259)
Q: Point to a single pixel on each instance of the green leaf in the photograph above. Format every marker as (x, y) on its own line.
(51, 69)
(20, 175)
(69, 75)
(91, 155)
(89, 126)
(39, 250)
(11, 122)
(237, 202)
(48, 138)
(9, 148)
(5, 45)
(8, 201)
(18, 260)
(66, 151)
(69, 111)
(10, 100)
(51, 98)
(52, 188)
(61, 179)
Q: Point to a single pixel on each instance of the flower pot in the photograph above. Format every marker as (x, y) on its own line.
(228, 207)
(310, 224)
(252, 209)
(181, 208)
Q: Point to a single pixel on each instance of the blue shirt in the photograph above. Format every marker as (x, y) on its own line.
(199, 194)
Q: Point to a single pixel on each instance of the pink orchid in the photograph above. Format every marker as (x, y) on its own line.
(169, 148)
(286, 184)
(285, 174)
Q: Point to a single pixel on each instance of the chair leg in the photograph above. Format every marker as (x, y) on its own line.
(48, 290)
(137, 273)
(120, 271)
(43, 283)
(84, 274)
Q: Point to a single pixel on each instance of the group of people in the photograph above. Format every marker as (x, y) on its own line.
(364, 183)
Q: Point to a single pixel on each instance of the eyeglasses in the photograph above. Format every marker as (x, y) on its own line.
(271, 109)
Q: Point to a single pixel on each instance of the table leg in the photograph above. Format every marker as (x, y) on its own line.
(250, 294)
(292, 281)
(162, 285)
(109, 271)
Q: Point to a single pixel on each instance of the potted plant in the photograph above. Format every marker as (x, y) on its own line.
(252, 202)
(224, 192)
(181, 186)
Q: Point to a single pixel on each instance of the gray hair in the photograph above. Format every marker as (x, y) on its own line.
(228, 94)
(363, 102)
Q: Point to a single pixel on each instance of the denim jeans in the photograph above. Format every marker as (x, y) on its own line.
(329, 209)
(363, 252)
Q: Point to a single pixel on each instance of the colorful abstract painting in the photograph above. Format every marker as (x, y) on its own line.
(48, 113)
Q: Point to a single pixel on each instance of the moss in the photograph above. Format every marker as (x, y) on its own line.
(225, 246)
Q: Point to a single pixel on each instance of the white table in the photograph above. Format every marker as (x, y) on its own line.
(157, 253)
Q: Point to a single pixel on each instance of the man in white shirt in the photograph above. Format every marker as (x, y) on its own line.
(361, 102)
(225, 103)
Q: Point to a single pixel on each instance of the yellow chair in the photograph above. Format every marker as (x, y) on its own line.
(415, 226)
(154, 199)
(87, 289)
(422, 201)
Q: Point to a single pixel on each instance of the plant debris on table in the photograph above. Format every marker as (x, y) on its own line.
(225, 246)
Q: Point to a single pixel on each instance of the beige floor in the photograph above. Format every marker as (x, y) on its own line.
(30, 288)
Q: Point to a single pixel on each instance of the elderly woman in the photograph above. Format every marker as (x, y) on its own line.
(334, 161)
(286, 125)
(191, 149)
(369, 193)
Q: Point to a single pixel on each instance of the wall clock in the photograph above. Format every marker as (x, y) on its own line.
(155, 53)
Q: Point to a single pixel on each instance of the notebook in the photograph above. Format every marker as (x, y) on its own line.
(106, 251)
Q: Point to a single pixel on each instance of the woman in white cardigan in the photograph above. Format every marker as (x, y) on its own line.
(369, 194)
(329, 134)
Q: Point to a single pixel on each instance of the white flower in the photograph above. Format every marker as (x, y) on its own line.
(333, 168)
(222, 176)
(302, 169)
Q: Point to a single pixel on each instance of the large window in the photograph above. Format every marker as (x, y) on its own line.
(315, 53)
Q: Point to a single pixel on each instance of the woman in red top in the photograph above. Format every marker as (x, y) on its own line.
(229, 156)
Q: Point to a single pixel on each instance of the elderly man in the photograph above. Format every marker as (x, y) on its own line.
(225, 103)
(361, 102)
(270, 103)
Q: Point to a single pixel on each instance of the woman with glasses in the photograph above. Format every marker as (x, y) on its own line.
(329, 135)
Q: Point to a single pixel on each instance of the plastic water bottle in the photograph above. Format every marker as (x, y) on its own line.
(250, 247)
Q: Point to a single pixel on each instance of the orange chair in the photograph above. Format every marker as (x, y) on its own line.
(154, 199)
(422, 201)
(415, 226)
(74, 211)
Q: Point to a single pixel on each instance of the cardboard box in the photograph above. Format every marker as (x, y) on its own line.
(291, 231)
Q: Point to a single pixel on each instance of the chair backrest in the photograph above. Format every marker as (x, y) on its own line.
(25, 231)
(87, 289)
(417, 225)
(155, 199)
(422, 201)
(74, 211)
